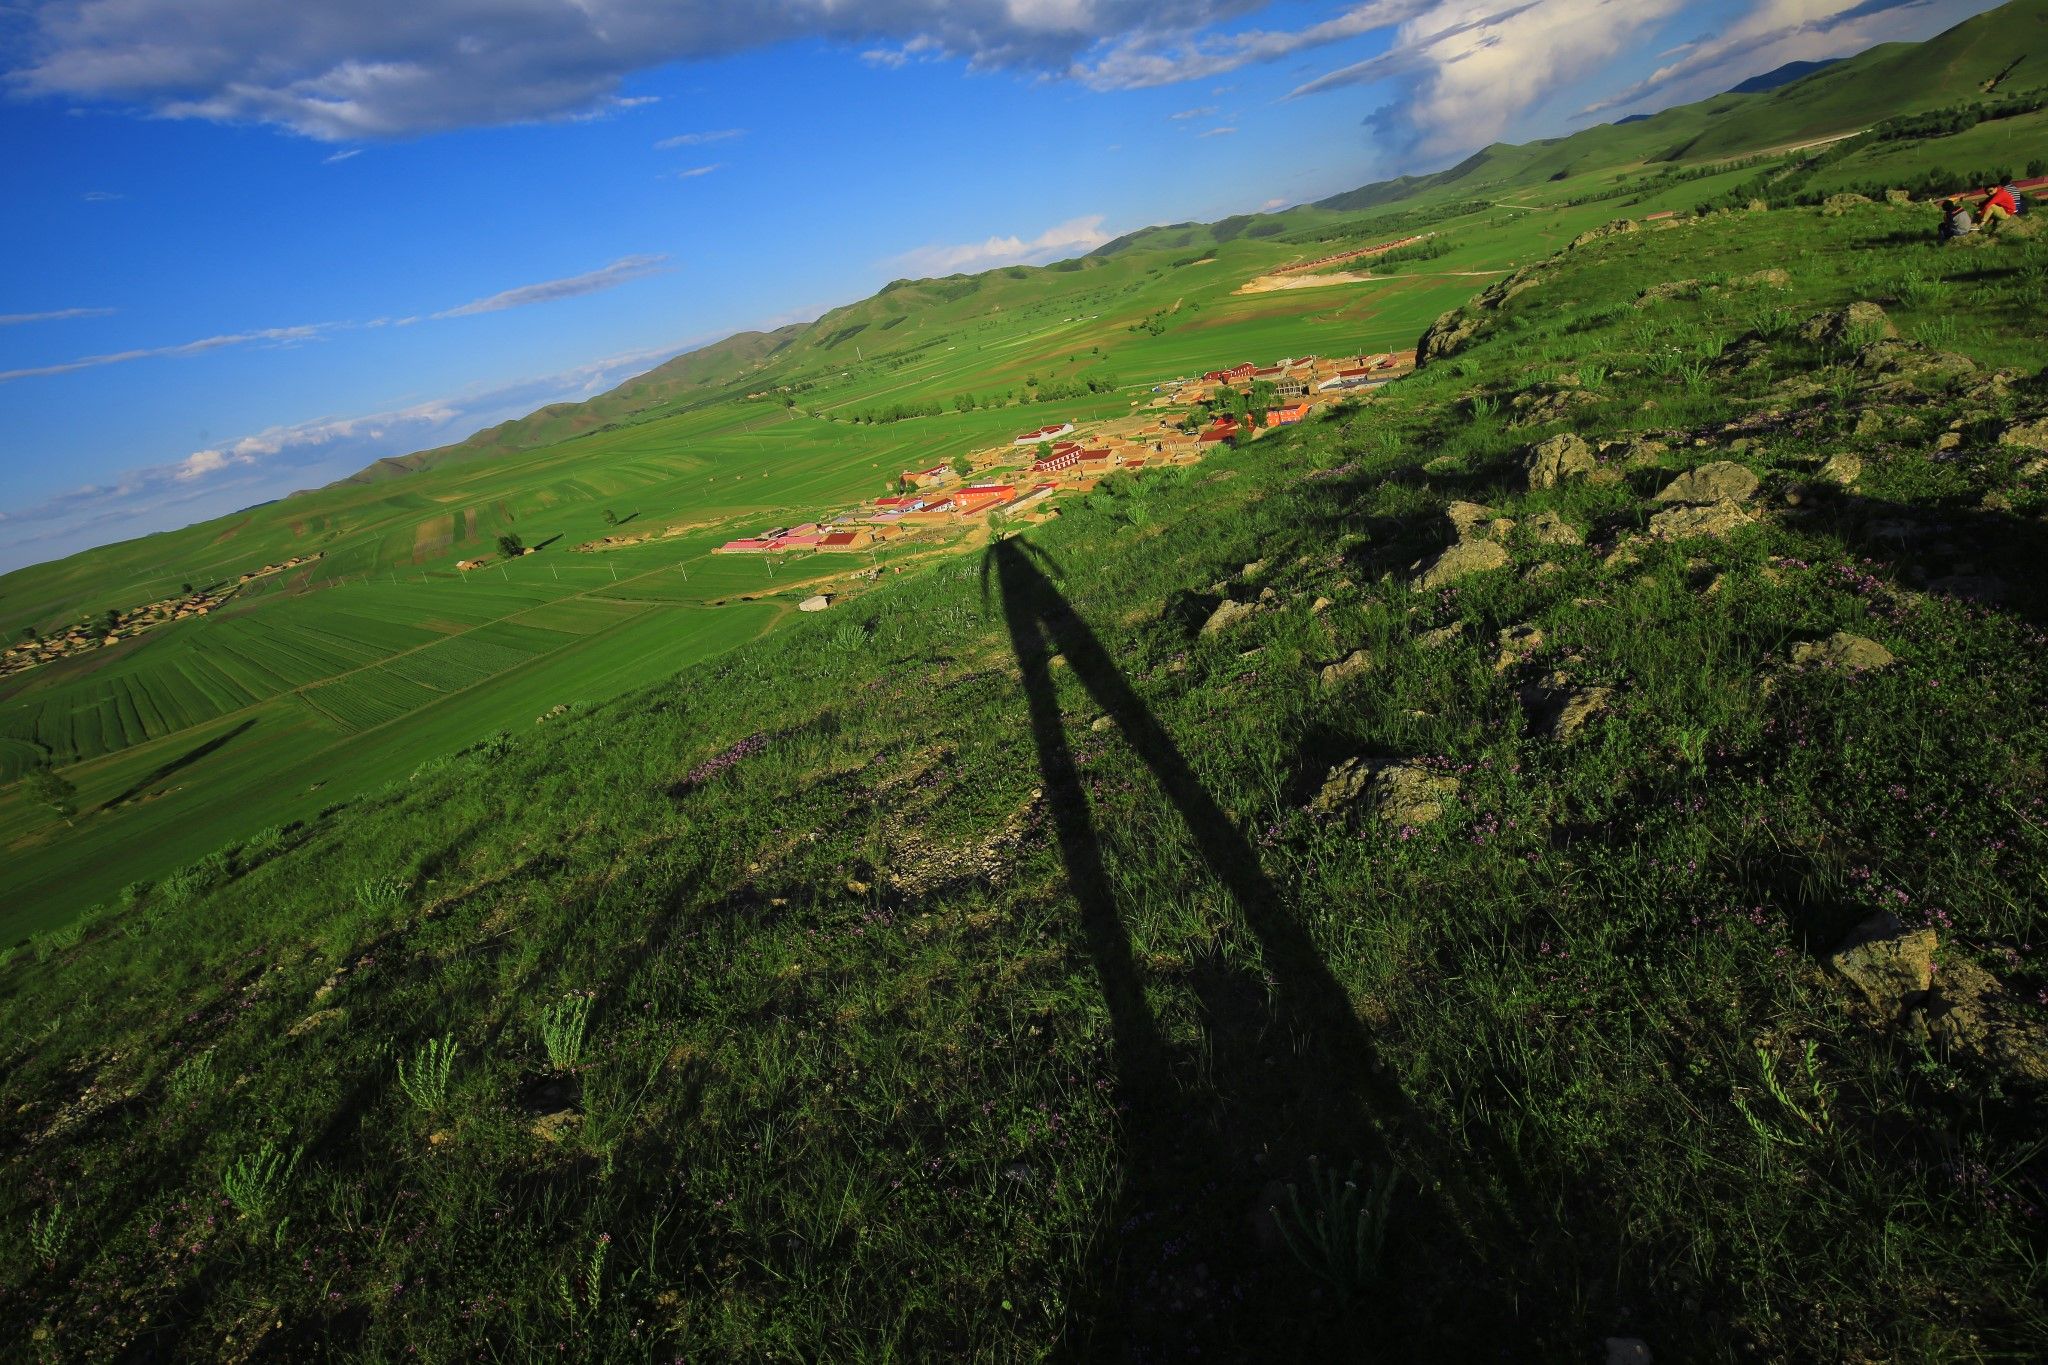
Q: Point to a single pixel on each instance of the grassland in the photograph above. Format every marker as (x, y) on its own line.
(970, 971)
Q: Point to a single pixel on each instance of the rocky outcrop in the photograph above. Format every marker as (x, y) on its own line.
(1346, 668)
(1619, 227)
(1840, 326)
(1548, 528)
(1227, 614)
(1558, 460)
(1462, 560)
(1721, 481)
(1851, 653)
(1692, 523)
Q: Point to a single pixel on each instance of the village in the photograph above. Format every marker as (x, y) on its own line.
(1020, 478)
(112, 627)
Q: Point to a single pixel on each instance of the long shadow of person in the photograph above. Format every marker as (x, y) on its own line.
(1282, 1072)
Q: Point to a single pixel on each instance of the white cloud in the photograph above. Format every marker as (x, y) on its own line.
(1775, 32)
(275, 336)
(693, 172)
(342, 156)
(621, 271)
(1069, 238)
(56, 315)
(1216, 132)
(1202, 112)
(343, 70)
(1167, 54)
(698, 139)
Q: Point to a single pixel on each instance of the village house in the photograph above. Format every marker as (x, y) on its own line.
(1051, 433)
(1287, 416)
(928, 478)
(1066, 457)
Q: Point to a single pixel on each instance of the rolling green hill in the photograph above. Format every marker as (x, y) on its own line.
(771, 427)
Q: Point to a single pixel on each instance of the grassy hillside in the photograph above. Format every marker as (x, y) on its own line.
(1372, 894)
(317, 685)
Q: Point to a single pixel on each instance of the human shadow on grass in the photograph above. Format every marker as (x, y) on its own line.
(1190, 1261)
(179, 764)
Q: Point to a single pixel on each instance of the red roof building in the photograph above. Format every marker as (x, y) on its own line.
(1066, 457)
(1287, 416)
(1032, 438)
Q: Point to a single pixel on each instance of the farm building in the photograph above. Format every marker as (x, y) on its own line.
(1287, 416)
(1054, 432)
(985, 498)
(927, 478)
(857, 539)
(1222, 431)
(1066, 457)
(1236, 374)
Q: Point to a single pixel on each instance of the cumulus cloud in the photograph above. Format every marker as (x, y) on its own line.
(1775, 32)
(55, 315)
(273, 336)
(364, 69)
(622, 271)
(698, 139)
(1069, 238)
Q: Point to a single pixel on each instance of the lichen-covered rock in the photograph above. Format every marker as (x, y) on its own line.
(1342, 788)
(2026, 435)
(1972, 1012)
(1462, 560)
(1443, 637)
(1410, 794)
(1835, 205)
(1548, 528)
(1558, 460)
(1913, 360)
(1346, 668)
(1842, 468)
(1670, 289)
(1709, 522)
(1839, 326)
(1616, 228)
(1898, 196)
(1721, 481)
(1445, 337)
(1469, 519)
(1773, 276)
(1227, 614)
(1892, 965)
(1854, 653)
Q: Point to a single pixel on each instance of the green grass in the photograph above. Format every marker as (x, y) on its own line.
(967, 973)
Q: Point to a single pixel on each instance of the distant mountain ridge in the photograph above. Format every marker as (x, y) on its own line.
(1784, 75)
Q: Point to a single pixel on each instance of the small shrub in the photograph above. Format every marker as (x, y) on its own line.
(424, 1078)
(255, 1181)
(1339, 1232)
(562, 1027)
(380, 894)
(47, 1234)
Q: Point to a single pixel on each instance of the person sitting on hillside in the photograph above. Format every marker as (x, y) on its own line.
(1955, 220)
(2019, 201)
(1999, 203)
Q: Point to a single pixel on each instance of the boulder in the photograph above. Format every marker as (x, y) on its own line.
(1342, 788)
(1443, 637)
(1898, 196)
(1227, 614)
(1971, 1011)
(1842, 468)
(1462, 560)
(1841, 325)
(1346, 668)
(1548, 528)
(1670, 289)
(1469, 519)
(1773, 276)
(1913, 361)
(1517, 645)
(1558, 460)
(2026, 435)
(1560, 710)
(1853, 653)
(1617, 228)
(1410, 794)
(1835, 205)
(1711, 522)
(1721, 481)
(1445, 337)
(1892, 965)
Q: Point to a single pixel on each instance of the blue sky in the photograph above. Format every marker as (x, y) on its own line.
(252, 247)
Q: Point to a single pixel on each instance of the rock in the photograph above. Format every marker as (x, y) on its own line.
(1268, 596)
(815, 602)
(1627, 1351)
(1101, 724)
(1558, 460)
(1561, 710)
(1517, 644)
(316, 1020)
(1672, 289)
(1842, 468)
(1462, 560)
(1443, 637)
(1541, 407)
(1845, 651)
(1227, 614)
(1685, 523)
(1912, 361)
(2026, 435)
(1346, 668)
(1842, 325)
(1319, 606)
(1892, 965)
(1617, 228)
(1835, 205)
(1468, 519)
(1898, 196)
(1773, 276)
(557, 1127)
(1548, 528)
(1446, 336)
(1721, 481)
(1342, 788)
(1549, 568)
(1409, 794)
(1253, 569)
(1971, 1011)
(1444, 464)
